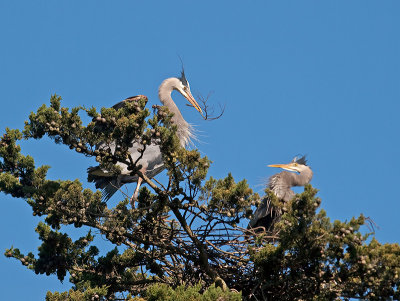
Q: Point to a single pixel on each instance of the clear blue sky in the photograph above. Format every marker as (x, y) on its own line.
(314, 77)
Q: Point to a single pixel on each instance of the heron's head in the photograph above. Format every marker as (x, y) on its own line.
(297, 165)
(183, 87)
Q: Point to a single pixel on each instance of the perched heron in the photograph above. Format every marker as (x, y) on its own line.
(152, 161)
(299, 175)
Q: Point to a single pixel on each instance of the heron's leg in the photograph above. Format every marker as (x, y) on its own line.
(136, 193)
(139, 182)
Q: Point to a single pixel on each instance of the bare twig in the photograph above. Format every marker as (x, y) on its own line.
(208, 111)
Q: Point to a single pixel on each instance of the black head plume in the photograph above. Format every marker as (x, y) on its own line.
(300, 160)
(183, 78)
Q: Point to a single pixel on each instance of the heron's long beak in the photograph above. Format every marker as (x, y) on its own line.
(289, 166)
(192, 101)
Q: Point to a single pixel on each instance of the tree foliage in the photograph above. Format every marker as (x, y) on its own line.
(185, 239)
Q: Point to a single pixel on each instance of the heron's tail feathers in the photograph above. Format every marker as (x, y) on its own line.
(265, 216)
(108, 184)
(109, 187)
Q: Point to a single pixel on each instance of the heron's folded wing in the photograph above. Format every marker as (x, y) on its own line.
(121, 104)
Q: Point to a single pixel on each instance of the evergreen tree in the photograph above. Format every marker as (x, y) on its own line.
(185, 239)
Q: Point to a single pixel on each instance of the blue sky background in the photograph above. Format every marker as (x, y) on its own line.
(314, 77)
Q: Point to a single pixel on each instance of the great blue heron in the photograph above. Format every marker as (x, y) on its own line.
(152, 161)
(281, 184)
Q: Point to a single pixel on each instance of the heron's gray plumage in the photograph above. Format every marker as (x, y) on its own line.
(281, 184)
(151, 161)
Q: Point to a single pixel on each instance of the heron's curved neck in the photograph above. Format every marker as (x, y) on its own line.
(164, 93)
(304, 177)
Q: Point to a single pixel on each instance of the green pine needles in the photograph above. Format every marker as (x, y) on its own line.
(185, 239)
